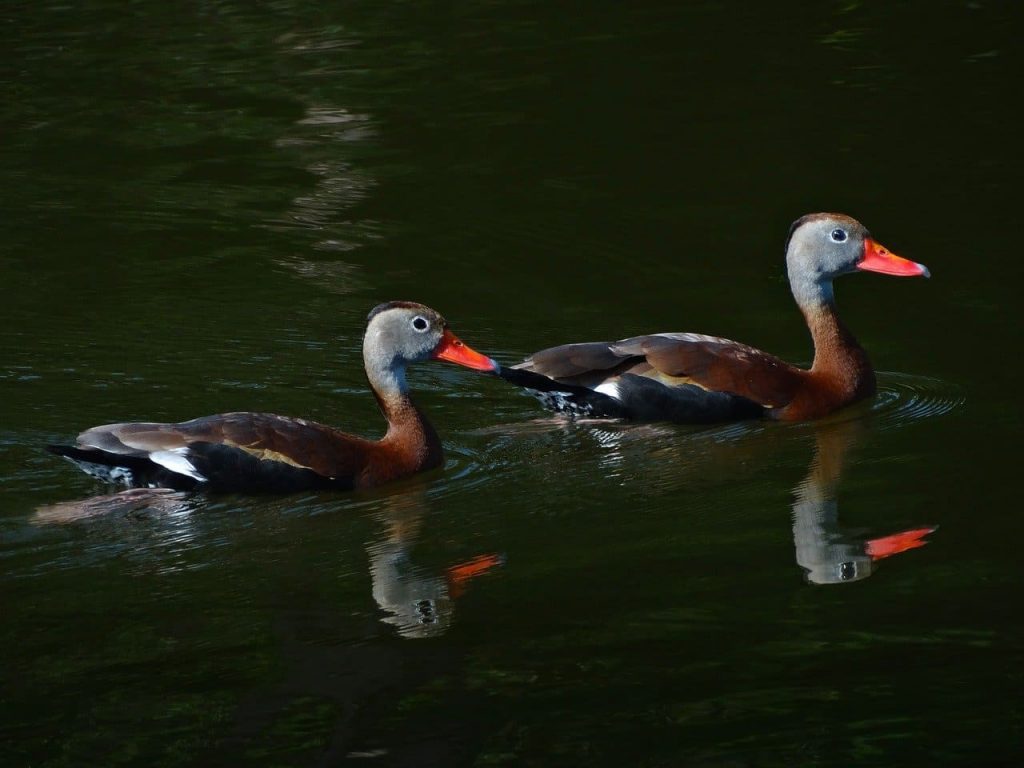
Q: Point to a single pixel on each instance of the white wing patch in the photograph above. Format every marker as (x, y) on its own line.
(609, 388)
(176, 461)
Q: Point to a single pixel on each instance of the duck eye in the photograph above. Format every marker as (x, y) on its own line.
(838, 235)
(420, 323)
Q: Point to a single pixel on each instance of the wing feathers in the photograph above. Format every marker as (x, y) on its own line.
(674, 361)
(267, 450)
(177, 461)
(571, 360)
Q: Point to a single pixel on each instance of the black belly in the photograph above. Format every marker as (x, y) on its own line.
(640, 399)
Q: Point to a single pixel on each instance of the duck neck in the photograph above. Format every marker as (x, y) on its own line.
(409, 432)
(839, 360)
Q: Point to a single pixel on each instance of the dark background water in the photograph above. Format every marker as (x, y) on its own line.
(202, 200)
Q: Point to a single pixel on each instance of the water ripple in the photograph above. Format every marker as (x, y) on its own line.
(663, 455)
(903, 398)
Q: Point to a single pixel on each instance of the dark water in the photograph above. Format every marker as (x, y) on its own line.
(201, 201)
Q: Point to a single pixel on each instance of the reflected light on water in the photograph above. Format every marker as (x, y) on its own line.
(903, 398)
(339, 184)
(135, 502)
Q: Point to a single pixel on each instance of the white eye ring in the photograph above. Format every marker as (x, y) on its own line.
(838, 235)
(420, 324)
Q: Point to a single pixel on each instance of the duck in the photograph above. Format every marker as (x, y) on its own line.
(261, 452)
(699, 379)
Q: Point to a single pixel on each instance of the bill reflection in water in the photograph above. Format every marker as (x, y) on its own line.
(828, 553)
(417, 601)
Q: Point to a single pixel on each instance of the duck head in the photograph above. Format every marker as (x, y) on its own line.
(403, 332)
(823, 246)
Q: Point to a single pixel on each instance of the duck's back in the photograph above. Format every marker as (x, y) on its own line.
(224, 452)
(684, 377)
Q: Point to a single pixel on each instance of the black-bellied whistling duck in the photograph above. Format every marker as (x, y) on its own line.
(692, 378)
(263, 452)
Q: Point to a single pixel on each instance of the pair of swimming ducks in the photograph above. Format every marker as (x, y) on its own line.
(679, 377)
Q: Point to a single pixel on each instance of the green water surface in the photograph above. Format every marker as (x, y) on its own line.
(200, 202)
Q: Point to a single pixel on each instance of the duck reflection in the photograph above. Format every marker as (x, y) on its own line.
(419, 602)
(828, 553)
(134, 502)
(635, 455)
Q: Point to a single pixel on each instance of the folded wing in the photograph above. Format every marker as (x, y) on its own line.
(231, 451)
(701, 378)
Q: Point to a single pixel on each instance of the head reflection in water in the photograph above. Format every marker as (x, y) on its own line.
(827, 553)
(418, 602)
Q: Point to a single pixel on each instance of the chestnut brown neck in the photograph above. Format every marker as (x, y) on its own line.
(840, 363)
(410, 444)
(410, 439)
